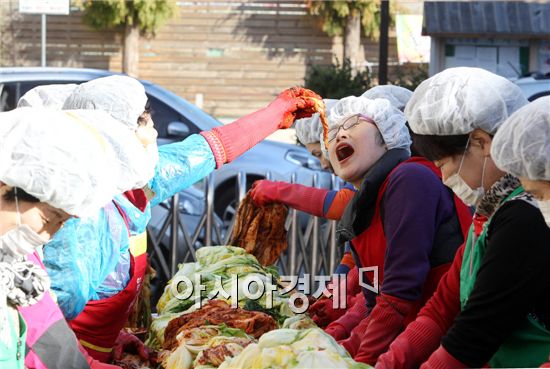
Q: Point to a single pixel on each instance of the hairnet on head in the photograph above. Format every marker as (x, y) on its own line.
(460, 100)
(66, 163)
(397, 96)
(121, 96)
(47, 96)
(137, 164)
(522, 144)
(310, 130)
(389, 120)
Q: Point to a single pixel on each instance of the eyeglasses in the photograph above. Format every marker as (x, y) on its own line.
(349, 123)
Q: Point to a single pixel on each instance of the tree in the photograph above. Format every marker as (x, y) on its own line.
(348, 18)
(132, 17)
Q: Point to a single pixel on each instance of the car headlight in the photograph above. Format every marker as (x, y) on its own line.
(303, 159)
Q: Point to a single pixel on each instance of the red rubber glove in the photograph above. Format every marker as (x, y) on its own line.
(423, 336)
(413, 346)
(127, 342)
(441, 359)
(229, 141)
(352, 282)
(342, 327)
(297, 102)
(353, 341)
(323, 313)
(545, 365)
(386, 322)
(297, 196)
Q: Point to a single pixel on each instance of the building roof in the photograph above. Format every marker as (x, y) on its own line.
(496, 18)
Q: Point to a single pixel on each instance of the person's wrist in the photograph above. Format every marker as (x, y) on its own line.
(216, 145)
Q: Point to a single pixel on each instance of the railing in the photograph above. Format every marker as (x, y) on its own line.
(311, 240)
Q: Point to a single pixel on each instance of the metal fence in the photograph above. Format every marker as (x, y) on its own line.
(311, 240)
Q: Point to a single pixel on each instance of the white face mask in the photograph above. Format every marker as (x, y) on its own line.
(150, 162)
(152, 154)
(544, 207)
(21, 240)
(461, 189)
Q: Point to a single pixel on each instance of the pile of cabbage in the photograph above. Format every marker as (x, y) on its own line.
(217, 263)
(298, 344)
(293, 349)
(285, 348)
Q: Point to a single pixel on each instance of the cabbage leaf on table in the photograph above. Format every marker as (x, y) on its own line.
(293, 349)
(192, 345)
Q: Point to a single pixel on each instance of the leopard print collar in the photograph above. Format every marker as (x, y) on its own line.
(498, 192)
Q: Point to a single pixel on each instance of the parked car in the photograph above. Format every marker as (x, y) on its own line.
(175, 119)
(534, 85)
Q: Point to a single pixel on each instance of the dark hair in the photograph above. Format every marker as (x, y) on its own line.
(21, 195)
(144, 117)
(434, 147)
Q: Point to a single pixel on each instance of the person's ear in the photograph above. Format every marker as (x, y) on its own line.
(483, 140)
(4, 188)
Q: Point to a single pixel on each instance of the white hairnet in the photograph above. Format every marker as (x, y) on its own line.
(67, 163)
(522, 144)
(115, 97)
(137, 164)
(121, 96)
(310, 130)
(460, 100)
(389, 120)
(47, 96)
(398, 96)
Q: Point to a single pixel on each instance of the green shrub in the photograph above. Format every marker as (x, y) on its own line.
(337, 81)
(409, 75)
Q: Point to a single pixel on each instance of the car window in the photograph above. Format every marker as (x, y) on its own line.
(163, 115)
(10, 92)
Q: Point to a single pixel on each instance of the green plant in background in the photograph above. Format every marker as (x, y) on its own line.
(337, 81)
(409, 75)
(133, 17)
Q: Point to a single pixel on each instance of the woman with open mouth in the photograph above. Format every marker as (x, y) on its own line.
(324, 203)
(403, 224)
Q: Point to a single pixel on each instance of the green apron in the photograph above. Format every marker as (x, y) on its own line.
(529, 345)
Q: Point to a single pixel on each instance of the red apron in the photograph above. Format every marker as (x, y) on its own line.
(98, 325)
